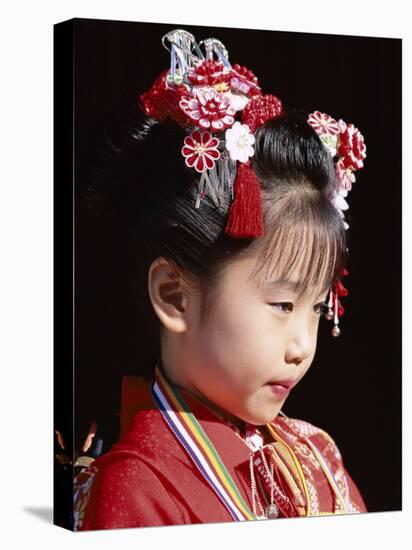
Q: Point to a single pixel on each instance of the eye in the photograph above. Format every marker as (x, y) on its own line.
(287, 307)
(321, 308)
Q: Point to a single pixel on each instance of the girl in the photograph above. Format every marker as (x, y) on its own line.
(240, 241)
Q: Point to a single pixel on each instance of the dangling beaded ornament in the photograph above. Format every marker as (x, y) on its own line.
(272, 511)
(335, 309)
(336, 331)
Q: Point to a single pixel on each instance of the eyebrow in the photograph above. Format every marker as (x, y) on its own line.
(288, 284)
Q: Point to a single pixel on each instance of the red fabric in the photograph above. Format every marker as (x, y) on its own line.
(147, 478)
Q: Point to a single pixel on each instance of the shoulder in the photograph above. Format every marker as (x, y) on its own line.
(129, 486)
(120, 489)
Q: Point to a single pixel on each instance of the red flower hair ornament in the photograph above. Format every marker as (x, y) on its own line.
(221, 105)
(346, 144)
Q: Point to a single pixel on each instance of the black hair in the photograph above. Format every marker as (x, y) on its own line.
(148, 182)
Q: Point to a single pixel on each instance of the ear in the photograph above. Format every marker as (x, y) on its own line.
(169, 295)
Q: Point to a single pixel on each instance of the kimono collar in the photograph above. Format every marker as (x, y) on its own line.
(248, 433)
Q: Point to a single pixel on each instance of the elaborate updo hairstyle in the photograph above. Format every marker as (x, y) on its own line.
(146, 177)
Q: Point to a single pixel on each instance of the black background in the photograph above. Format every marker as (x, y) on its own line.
(353, 389)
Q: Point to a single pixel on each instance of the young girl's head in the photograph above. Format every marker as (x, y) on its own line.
(229, 317)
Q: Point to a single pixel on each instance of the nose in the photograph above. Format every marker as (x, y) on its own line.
(300, 346)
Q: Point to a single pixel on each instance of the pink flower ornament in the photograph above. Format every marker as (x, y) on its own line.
(345, 175)
(200, 150)
(239, 85)
(323, 124)
(209, 109)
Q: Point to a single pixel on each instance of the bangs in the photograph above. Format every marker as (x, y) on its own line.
(304, 245)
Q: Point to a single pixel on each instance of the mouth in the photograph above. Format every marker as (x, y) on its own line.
(282, 388)
(279, 390)
(285, 383)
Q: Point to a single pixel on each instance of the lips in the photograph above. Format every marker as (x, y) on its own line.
(279, 390)
(285, 383)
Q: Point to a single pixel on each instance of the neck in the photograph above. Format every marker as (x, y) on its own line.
(224, 414)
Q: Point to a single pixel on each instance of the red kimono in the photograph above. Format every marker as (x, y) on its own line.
(148, 479)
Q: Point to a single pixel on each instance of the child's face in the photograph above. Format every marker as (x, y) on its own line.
(256, 334)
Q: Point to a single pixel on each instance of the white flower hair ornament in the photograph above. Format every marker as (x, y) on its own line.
(239, 142)
(221, 105)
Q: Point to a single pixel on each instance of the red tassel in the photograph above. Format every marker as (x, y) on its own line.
(245, 216)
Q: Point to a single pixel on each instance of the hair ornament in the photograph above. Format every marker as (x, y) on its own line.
(209, 97)
(347, 146)
(221, 105)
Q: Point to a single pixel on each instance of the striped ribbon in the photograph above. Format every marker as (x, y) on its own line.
(191, 435)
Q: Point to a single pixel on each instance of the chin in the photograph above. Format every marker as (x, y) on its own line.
(272, 414)
(260, 420)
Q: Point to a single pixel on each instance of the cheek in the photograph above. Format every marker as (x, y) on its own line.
(225, 333)
(235, 323)
(242, 338)
(315, 329)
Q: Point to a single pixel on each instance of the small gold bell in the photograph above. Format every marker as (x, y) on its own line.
(336, 330)
(329, 314)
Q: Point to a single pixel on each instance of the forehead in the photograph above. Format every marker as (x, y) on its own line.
(296, 286)
(299, 263)
(244, 276)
